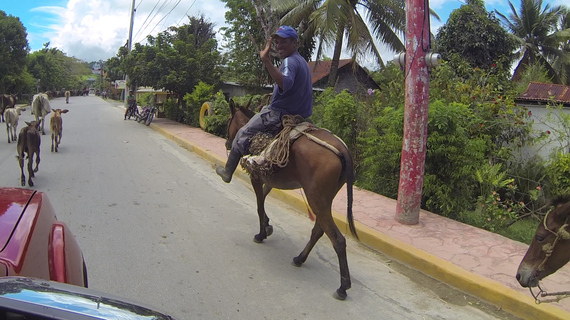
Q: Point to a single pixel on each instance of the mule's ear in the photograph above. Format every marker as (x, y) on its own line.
(563, 211)
(248, 103)
(64, 111)
(28, 123)
(232, 106)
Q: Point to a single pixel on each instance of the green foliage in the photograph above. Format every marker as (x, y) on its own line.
(448, 188)
(13, 50)
(173, 111)
(202, 93)
(217, 123)
(476, 36)
(522, 230)
(340, 113)
(56, 71)
(145, 99)
(558, 174)
(381, 149)
(541, 37)
(176, 59)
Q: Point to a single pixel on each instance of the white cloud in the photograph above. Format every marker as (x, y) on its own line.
(94, 30)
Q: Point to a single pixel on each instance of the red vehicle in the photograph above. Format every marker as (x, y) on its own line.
(33, 243)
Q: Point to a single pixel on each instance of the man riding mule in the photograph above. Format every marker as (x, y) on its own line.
(308, 157)
(293, 94)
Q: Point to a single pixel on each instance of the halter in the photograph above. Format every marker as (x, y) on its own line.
(548, 249)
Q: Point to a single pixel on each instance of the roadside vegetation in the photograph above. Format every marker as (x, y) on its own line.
(476, 170)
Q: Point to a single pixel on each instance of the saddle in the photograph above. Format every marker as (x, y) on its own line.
(269, 153)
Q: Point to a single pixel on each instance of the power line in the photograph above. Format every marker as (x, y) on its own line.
(164, 3)
(185, 13)
(165, 16)
(145, 20)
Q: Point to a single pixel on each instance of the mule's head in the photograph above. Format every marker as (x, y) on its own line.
(58, 112)
(239, 116)
(550, 247)
(33, 124)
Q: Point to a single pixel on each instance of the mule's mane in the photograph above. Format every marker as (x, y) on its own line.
(558, 200)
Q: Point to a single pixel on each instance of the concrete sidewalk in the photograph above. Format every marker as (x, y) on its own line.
(480, 263)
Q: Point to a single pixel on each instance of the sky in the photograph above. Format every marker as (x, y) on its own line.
(93, 30)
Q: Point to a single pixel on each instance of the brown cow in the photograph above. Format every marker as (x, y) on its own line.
(29, 141)
(56, 128)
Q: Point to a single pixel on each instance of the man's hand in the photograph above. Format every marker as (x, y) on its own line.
(264, 54)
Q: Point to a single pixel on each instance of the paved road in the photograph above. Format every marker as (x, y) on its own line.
(158, 226)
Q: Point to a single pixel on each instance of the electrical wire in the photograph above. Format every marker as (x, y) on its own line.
(145, 20)
(160, 9)
(185, 13)
(169, 12)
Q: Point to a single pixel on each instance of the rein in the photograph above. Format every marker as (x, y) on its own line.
(548, 249)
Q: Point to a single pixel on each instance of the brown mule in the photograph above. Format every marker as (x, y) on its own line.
(550, 247)
(321, 173)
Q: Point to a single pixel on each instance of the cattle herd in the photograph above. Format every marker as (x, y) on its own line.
(28, 140)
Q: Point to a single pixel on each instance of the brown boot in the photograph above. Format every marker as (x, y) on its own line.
(231, 165)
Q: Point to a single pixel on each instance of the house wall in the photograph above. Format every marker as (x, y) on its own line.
(542, 124)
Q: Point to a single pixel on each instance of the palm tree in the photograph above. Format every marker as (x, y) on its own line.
(537, 31)
(330, 20)
(563, 63)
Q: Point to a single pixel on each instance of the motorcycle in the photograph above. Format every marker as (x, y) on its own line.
(132, 111)
(147, 115)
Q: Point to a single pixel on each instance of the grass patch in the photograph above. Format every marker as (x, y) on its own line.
(522, 230)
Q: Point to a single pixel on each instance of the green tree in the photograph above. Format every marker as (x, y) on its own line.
(540, 39)
(176, 59)
(244, 38)
(476, 36)
(331, 20)
(14, 51)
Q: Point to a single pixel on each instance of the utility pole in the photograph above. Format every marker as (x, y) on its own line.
(414, 144)
(129, 45)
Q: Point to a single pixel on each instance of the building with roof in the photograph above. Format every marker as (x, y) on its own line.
(350, 76)
(536, 98)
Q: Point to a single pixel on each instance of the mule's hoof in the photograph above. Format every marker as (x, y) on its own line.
(258, 239)
(269, 230)
(340, 294)
(297, 262)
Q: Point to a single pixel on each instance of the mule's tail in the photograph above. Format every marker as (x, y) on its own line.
(349, 169)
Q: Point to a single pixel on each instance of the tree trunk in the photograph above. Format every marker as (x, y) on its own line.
(336, 57)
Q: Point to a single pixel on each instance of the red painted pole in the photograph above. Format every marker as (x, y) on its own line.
(415, 114)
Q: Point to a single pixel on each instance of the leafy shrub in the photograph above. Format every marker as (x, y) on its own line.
(202, 92)
(173, 111)
(216, 123)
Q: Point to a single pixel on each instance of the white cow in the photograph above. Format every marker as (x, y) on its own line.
(12, 116)
(40, 108)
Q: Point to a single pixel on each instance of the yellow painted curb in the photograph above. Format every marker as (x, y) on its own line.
(505, 298)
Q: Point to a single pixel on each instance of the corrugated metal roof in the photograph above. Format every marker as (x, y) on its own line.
(537, 91)
(321, 69)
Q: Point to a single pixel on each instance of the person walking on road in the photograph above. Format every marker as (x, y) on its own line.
(292, 95)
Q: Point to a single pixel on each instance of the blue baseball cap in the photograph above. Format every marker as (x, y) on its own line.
(286, 32)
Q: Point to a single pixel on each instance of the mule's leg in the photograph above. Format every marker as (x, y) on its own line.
(8, 131)
(22, 176)
(316, 234)
(261, 192)
(30, 171)
(52, 142)
(37, 160)
(321, 206)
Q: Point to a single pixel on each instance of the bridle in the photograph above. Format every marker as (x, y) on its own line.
(548, 248)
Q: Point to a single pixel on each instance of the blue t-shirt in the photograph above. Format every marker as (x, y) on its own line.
(297, 94)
